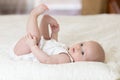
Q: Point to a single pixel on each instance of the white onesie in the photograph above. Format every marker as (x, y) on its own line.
(51, 47)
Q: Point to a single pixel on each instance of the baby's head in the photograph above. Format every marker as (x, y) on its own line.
(87, 51)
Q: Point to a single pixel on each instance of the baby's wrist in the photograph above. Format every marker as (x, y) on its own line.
(33, 14)
(33, 47)
(54, 33)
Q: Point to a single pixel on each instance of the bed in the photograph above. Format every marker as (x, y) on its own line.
(104, 28)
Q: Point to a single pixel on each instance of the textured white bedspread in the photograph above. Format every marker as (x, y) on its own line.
(102, 28)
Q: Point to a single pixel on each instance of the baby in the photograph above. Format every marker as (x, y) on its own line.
(46, 49)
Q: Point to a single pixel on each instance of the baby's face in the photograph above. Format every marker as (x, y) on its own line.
(87, 51)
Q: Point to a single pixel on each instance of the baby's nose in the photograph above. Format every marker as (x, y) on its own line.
(78, 48)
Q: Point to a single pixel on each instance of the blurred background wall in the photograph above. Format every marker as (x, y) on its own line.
(61, 7)
(70, 7)
(11, 6)
(94, 6)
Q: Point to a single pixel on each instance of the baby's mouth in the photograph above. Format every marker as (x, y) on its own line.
(71, 50)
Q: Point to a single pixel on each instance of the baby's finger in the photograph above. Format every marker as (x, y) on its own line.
(56, 25)
(51, 25)
(34, 37)
(26, 37)
(29, 36)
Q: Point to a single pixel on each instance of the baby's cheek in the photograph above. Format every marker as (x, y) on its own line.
(77, 57)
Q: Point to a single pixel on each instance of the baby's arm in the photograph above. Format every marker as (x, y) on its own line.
(46, 20)
(55, 30)
(42, 56)
(49, 59)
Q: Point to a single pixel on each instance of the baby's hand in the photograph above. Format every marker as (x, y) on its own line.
(55, 28)
(53, 23)
(30, 40)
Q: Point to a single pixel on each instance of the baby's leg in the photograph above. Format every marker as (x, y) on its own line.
(47, 20)
(32, 26)
(21, 47)
(44, 30)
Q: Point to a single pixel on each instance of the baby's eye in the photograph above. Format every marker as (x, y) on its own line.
(82, 53)
(81, 44)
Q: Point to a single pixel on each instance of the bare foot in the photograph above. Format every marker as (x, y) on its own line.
(39, 10)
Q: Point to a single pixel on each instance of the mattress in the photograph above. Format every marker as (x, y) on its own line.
(104, 28)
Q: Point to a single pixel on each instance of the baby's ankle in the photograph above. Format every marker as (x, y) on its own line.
(54, 33)
(34, 14)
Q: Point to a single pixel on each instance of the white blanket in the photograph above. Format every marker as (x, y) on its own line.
(102, 28)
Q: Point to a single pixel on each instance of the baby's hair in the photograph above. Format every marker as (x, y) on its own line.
(101, 53)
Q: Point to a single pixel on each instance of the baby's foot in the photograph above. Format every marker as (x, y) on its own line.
(39, 9)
